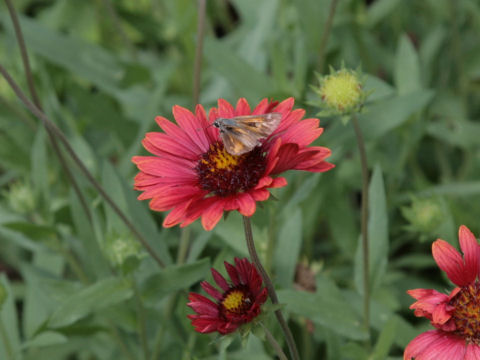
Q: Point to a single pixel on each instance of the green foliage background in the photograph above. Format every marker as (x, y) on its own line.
(80, 289)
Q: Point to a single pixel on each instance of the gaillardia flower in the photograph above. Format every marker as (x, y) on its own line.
(236, 304)
(456, 316)
(193, 175)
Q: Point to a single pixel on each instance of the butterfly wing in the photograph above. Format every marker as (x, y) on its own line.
(259, 126)
(242, 133)
(237, 141)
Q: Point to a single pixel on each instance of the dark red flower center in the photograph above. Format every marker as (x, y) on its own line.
(467, 312)
(236, 302)
(224, 174)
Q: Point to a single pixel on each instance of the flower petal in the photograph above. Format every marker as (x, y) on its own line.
(220, 280)
(435, 345)
(471, 251)
(450, 261)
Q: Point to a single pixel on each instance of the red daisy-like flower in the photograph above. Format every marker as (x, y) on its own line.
(193, 175)
(456, 316)
(237, 303)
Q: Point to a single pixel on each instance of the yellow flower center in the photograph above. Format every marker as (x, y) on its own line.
(467, 313)
(234, 301)
(221, 159)
(341, 91)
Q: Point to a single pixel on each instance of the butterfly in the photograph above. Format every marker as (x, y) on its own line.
(241, 134)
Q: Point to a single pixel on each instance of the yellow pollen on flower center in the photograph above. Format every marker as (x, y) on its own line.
(220, 159)
(467, 312)
(234, 301)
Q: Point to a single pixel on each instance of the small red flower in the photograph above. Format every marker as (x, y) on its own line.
(237, 303)
(456, 316)
(193, 175)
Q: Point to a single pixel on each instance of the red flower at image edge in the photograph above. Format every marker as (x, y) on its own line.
(456, 316)
(192, 174)
(236, 304)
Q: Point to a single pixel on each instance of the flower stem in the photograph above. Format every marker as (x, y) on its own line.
(326, 34)
(63, 139)
(274, 343)
(364, 224)
(247, 226)
(199, 51)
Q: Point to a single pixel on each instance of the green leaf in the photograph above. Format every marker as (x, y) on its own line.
(243, 77)
(95, 297)
(39, 163)
(407, 67)
(47, 338)
(385, 340)
(83, 59)
(9, 331)
(377, 234)
(174, 278)
(325, 309)
(288, 247)
(384, 116)
(380, 9)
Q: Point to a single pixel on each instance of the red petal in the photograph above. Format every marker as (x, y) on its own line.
(210, 290)
(246, 204)
(232, 272)
(212, 215)
(225, 109)
(450, 261)
(220, 280)
(192, 127)
(435, 345)
(471, 251)
(242, 107)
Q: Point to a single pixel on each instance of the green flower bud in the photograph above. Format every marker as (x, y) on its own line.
(425, 215)
(21, 198)
(341, 92)
(122, 251)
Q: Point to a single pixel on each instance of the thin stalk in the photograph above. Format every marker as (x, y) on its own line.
(197, 72)
(8, 346)
(326, 35)
(247, 226)
(274, 343)
(364, 224)
(61, 136)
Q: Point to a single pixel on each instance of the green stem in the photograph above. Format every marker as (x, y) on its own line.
(326, 35)
(247, 226)
(364, 224)
(274, 343)
(199, 51)
(8, 346)
(63, 139)
(123, 347)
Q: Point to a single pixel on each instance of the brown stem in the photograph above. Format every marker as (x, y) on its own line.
(199, 51)
(49, 125)
(326, 35)
(364, 224)
(292, 347)
(274, 343)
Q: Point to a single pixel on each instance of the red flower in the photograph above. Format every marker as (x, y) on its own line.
(238, 303)
(456, 316)
(192, 174)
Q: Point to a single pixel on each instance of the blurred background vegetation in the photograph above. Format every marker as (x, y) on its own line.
(80, 286)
